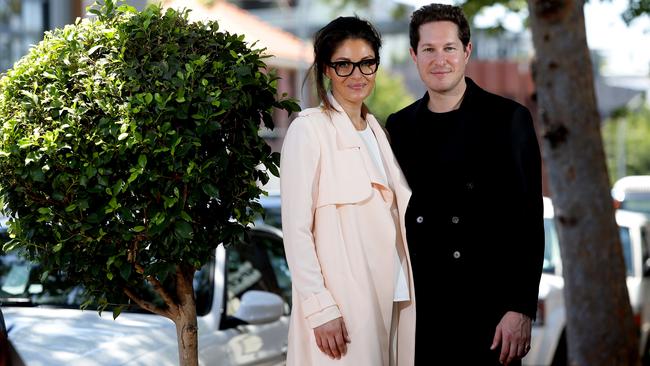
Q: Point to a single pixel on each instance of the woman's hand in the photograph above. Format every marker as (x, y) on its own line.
(332, 338)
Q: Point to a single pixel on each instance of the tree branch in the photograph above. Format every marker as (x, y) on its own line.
(147, 305)
(158, 287)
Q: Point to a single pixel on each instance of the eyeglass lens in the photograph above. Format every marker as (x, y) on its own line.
(346, 68)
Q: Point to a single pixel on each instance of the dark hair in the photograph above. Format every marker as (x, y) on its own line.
(436, 13)
(329, 38)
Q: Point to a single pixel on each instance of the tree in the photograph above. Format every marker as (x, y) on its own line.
(627, 143)
(130, 150)
(599, 316)
(389, 95)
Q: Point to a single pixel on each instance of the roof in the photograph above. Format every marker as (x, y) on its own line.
(287, 49)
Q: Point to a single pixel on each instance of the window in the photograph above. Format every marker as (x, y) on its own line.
(551, 247)
(257, 264)
(624, 232)
(21, 25)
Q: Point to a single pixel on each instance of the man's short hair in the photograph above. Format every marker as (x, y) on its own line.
(436, 13)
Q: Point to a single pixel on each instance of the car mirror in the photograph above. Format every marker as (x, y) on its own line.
(259, 307)
(35, 288)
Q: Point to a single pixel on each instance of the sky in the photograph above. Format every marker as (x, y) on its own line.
(626, 48)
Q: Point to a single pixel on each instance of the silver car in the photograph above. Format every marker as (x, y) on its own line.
(243, 302)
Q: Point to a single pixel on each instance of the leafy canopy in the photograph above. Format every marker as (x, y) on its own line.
(129, 144)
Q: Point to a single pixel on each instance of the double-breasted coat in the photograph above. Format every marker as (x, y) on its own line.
(341, 224)
(474, 221)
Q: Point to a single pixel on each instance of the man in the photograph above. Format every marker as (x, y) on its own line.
(475, 229)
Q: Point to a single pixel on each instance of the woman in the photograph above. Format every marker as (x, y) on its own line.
(343, 203)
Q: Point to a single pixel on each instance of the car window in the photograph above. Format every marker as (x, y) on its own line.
(257, 264)
(551, 247)
(627, 250)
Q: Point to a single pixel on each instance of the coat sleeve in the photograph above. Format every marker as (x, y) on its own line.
(529, 248)
(299, 176)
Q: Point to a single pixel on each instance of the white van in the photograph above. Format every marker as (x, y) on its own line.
(548, 344)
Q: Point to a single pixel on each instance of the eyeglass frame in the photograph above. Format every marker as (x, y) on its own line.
(357, 64)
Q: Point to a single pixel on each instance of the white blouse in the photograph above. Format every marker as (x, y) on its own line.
(368, 137)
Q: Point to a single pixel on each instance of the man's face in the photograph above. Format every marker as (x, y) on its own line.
(441, 57)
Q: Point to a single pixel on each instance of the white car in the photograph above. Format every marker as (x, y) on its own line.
(548, 344)
(243, 302)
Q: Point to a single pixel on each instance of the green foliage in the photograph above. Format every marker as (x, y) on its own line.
(635, 139)
(390, 95)
(636, 9)
(130, 144)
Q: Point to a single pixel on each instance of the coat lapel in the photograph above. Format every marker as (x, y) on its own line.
(348, 138)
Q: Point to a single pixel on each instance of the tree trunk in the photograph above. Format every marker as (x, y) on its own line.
(600, 326)
(185, 318)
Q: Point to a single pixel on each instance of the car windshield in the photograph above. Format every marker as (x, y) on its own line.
(552, 248)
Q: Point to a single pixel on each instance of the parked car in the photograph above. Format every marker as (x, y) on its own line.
(633, 193)
(548, 344)
(243, 301)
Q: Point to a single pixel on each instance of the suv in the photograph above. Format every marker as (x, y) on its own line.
(243, 301)
(548, 344)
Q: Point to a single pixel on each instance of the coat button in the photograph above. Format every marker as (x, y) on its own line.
(419, 219)
(455, 219)
(456, 254)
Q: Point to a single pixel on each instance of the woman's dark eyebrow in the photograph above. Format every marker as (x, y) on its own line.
(348, 60)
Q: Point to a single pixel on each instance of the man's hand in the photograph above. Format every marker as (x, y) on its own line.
(513, 333)
(332, 338)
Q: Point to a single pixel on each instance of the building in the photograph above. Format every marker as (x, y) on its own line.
(291, 57)
(22, 23)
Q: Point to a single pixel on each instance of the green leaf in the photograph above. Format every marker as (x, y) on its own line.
(185, 216)
(71, 208)
(142, 161)
(122, 136)
(138, 229)
(125, 271)
(44, 276)
(116, 311)
(57, 247)
(210, 190)
(183, 230)
(93, 49)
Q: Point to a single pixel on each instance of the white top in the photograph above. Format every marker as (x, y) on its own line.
(368, 137)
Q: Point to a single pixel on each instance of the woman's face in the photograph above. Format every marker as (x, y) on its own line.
(355, 55)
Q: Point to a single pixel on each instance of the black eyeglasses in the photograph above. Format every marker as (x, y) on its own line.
(346, 68)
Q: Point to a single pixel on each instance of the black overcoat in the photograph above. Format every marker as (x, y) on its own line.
(474, 222)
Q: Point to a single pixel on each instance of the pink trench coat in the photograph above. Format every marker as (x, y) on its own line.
(340, 228)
